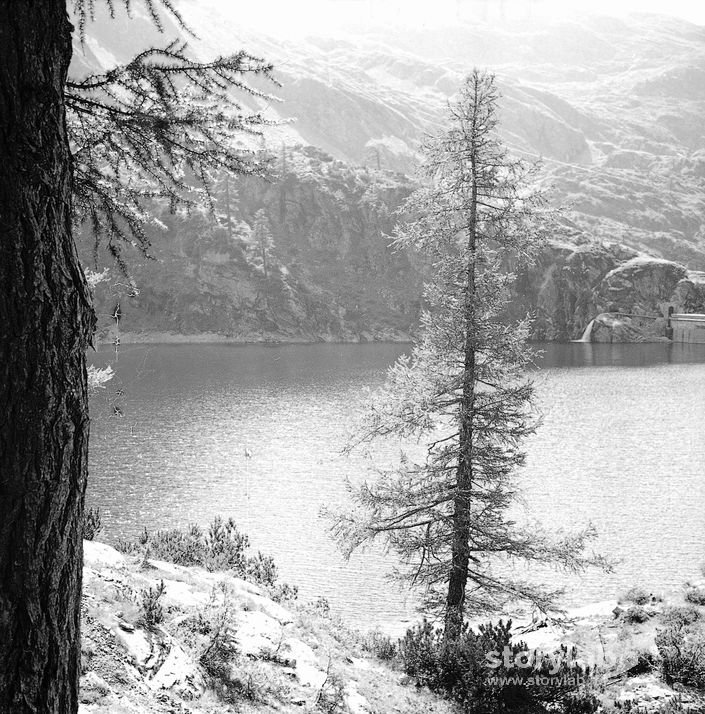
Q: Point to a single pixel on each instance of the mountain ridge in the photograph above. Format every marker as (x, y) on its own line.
(613, 107)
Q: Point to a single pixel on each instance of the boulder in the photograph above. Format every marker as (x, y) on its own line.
(619, 328)
(642, 285)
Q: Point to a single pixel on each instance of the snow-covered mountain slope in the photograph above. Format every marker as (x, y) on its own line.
(615, 108)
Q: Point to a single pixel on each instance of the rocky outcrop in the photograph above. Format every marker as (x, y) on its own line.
(315, 266)
(627, 295)
(640, 286)
(559, 289)
(689, 295)
(620, 328)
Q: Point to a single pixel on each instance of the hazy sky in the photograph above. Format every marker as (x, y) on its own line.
(315, 15)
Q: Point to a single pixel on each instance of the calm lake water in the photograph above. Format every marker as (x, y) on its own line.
(621, 445)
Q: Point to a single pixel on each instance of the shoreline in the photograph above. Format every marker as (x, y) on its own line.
(251, 340)
(205, 338)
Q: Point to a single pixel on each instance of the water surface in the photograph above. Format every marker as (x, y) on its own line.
(620, 445)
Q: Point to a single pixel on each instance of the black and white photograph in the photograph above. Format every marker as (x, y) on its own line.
(352, 357)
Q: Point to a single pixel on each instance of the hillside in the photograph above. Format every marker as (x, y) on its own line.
(210, 642)
(613, 108)
(160, 637)
(319, 267)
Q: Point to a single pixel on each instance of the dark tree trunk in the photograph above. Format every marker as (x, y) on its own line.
(460, 549)
(45, 326)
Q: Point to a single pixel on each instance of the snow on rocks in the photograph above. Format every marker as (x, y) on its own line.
(137, 645)
(257, 632)
(257, 603)
(179, 673)
(130, 667)
(99, 555)
(309, 672)
(354, 701)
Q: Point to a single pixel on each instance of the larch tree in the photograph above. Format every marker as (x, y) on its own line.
(463, 390)
(264, 243)
(100, 148)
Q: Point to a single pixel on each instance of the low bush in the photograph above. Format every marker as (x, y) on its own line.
(283, 592)
(91, 523)
(128, 547)
(230, 675)
(695, 595)
(331, 695)
(217, 623)
(644, 661)
(152, 611)
(682, 651)
(320, 606)
(380, 645)
(680, 615)
(254, 682)
(637, 595)
(261, 569)
(220, 547)
(635, 614)
(472, 671)
(580, 703)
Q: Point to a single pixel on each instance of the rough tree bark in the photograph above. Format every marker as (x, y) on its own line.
(45, 327)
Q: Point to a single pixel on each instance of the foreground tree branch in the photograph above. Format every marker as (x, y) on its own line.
(163, 127)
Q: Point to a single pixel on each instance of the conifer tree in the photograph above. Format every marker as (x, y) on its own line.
(463, 388)
(264, 242)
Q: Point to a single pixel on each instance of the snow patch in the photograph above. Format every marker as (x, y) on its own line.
(97, 555)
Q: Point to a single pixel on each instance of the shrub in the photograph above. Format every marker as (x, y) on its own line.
(644, 662)
(695, 595)
(380, 645)
(152, 610)
(580, 703)
(91, 523)
(680, 615)
(635, 614)
(127, 546)
(682, 650)
(331, 696)
(637, 595)
(221, 547)
(224, 547)
(220, 650)
(252, 681)
(459, 670)
(261, 570)
(231, 676)
(285, 593)
(320, 607)
(183, 547)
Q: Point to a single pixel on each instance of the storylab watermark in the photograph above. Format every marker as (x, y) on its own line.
(538, 680)
(559, 668)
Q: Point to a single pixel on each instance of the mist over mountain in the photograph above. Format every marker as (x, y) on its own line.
(613, 107)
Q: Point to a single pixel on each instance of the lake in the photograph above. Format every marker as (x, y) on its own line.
(621, 445)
